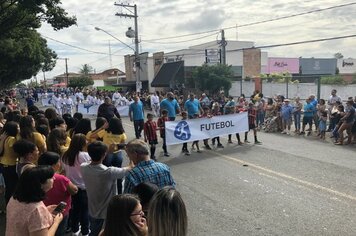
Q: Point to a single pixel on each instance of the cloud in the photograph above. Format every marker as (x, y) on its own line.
(207, 20)
(168, 18)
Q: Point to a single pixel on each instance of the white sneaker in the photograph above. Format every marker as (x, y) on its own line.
(283, 132)
(288, 133)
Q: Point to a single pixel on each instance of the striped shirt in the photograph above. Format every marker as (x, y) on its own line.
(149, 171)
(150, 128)
(160, 124)
(251, 116)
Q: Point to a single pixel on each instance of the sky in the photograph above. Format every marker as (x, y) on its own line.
(159, 19)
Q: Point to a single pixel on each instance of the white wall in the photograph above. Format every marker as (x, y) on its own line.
(98, 83)
(346, 65)
(302, 90)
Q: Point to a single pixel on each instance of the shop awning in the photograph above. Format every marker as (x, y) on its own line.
(167, 73)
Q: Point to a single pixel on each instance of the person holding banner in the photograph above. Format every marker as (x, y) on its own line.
(216, 112)
(230, 108)
(192, 106)
(185, 145)
(252, 122)
(161, 126)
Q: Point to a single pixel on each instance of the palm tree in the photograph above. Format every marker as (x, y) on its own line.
(86, 69)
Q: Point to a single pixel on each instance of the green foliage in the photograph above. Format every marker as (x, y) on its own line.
(108, 88)
(86, 69)
(213, 78)
(353, 81)
(277, 77)
(23, 51)
(332, 80)
(80, 82)
(338, 55)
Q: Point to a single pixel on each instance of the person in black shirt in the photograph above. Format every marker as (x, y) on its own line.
(108, 110)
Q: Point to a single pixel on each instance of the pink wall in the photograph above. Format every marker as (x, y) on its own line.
(282, 64)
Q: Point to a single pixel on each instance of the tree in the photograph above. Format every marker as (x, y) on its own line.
(80, 82)
(86, 69)
(338, 55)
(213, 78)
(23, 51)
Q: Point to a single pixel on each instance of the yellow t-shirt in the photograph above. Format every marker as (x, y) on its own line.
(10, 156)
(39, 142)
(100, 135)
(109, 138)
(68, 140)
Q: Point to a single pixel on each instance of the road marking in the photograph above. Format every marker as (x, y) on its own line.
(288, 177)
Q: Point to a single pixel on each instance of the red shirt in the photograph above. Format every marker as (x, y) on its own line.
(150, 128)
(251, 116)
(59, 193)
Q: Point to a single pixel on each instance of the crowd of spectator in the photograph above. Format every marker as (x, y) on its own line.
(61, 176)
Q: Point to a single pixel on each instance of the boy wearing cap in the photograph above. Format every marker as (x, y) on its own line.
(286, 114)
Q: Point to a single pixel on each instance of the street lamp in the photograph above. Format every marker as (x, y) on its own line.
(100, 29)
(137, 60)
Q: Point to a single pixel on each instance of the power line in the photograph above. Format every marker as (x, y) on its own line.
(258, 22)
(278, 45)
(184, 41)
(291, 16)
(79, 48)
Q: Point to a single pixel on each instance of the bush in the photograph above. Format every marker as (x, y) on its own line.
(332, 80)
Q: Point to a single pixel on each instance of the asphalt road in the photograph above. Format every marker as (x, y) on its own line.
(289, 185)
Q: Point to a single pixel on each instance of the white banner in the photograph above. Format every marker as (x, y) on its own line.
(93, 110)
(198, 129)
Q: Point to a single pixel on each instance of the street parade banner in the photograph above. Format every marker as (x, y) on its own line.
(93, 109)
(198, 129)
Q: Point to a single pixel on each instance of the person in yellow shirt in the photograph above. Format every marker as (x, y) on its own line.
(28, 132)
(113, 134)
(8, 157)
(99, 130)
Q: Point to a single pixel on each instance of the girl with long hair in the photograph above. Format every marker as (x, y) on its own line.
(125, 217)
(71, 161)
(83, 126)
(28, 132)
(99, 127)
(167, 214)
(56, 141)
(9, 157)
(26, 213)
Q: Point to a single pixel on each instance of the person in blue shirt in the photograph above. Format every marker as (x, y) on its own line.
(29, 101)
(286, 114)
(171, 105)
(136, 114)
(308, 115)
(314, 102)
(192, 106)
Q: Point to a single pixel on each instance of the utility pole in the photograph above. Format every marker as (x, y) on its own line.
(223, 44)
(66, 74)
(137, 54)
(66, 60)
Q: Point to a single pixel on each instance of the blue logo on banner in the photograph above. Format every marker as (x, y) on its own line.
(182, 131)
